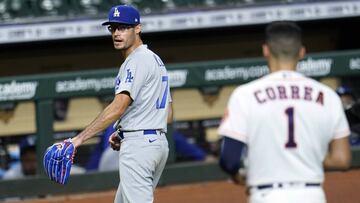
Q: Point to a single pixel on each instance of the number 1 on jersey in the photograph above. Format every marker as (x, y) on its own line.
(290, 116)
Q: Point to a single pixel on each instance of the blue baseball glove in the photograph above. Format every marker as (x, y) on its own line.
(58, 160)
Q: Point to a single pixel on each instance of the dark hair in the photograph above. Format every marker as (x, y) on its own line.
(284, 39)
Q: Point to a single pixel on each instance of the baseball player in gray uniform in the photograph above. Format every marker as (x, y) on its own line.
(293, 127)
(140, 109)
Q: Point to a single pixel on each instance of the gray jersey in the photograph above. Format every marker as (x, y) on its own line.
(144, 76)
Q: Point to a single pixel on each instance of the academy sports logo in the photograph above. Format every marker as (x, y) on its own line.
(18, 90)
(354, 63)
(233, 73)
(116, 13)
(84, 84)
(315, 67)
(177, 77)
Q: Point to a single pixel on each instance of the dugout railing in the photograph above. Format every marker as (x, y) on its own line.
(44, 89)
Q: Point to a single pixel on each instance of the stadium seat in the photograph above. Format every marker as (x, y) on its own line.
(51, 7)
(16, 8)
(93, 7)
(230, 2)
(149, 6)
(3, 10)
(189, 3)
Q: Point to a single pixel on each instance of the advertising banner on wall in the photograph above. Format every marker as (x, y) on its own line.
(189, 75)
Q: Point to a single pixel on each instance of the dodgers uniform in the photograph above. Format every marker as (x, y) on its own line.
(144, 148)
(287, 121)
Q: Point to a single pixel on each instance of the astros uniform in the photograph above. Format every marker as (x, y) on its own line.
(144, 148)
(287, 121)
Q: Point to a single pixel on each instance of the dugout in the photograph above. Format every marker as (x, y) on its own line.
(37, 93)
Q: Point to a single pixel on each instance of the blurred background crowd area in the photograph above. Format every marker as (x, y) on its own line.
(45, 10)
(197, 111)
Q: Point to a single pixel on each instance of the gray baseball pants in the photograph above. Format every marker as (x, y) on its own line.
(142, 159)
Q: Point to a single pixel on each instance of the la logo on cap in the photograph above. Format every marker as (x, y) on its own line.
(116, 13)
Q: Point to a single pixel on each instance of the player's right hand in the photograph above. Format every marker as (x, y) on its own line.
(114, 141)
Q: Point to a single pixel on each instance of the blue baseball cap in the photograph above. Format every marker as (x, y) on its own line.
(123, 14)
(344, 90)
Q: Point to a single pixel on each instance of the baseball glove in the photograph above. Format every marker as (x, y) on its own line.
(58, 160)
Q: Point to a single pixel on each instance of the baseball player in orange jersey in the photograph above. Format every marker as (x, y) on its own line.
(292, 126)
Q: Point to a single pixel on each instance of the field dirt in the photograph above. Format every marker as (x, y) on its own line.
(340, 187)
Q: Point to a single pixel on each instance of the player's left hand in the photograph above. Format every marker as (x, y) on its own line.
(58, 160)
